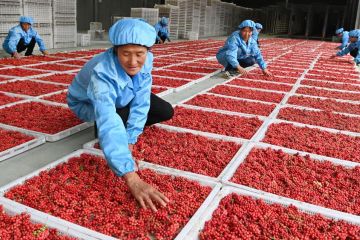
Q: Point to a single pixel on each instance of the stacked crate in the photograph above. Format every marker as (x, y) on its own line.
(54, 20)
(209, 21)
(172, 13)
(114, 19)
(189, 16)
(228, 9)
(151, 15)
(10, 11)
(236, 17)
(203, 5)
(64, 23)
(182, 4)
(192, 19)
(216, 4)
(41, 12)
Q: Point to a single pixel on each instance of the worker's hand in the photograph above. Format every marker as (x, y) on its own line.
(131, 147)
(161, 41)
(144, 193)
(242, 71)
(45, 52)
(267, 73)
(333, 56)
(16, 55)
(337, 48)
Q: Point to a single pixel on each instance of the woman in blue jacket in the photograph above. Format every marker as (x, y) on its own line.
(162, 31)
(23, 37)
(344, 35)
(241, 51)
(256, 33)
(353, 48)
(114, 90)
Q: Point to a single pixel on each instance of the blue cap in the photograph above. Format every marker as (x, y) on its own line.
(164, 21)
(132, 31)
(354, 33)
(247, 23)
(258, 26)
(26, 19)
(339, 31)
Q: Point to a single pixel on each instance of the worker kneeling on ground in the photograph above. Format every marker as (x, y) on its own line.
(162, 31)
(256, 33)
(23, 37)
(114, 90)
(344, 36)
(241, 51)
(353, 48)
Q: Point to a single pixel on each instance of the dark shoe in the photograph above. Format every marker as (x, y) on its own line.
(226, 75)
(233, 72)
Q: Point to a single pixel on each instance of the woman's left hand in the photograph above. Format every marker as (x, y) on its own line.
(267, 73)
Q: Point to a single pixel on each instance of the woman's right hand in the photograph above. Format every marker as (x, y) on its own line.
(242, 71)
(144, 193)
(16, 55)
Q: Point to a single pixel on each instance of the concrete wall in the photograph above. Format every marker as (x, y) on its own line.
(357, 23)
(102, 10)
(85, 14)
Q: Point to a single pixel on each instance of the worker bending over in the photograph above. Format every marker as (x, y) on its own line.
(114, 90)
(162, 31)
(352, 48)
(23, 37)
(241, 51)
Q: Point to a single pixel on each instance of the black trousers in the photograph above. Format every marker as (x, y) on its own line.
(246, 62)
(29, 48)
(163, 38)
(354, 52)
(159, 111)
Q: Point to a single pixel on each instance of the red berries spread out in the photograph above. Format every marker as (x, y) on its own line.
(85, 191)
(314, 141)
(39, 117)
(184, 151)
(60, 98)
(212, 122)
(301, 178)
(246, 218)
(11, 139)
(248, 93)
(21, 227)
(59, 78)
(233, 105)
(30, 88)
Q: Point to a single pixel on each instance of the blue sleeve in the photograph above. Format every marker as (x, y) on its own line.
(344, 51)
(255, 35)
(157, 29)
(357, 58)
(165, 32)
(39, 41)
(231, 52)
(259, 58)
(345, 41)
(111, 130)
(139, 108)
(14, 38)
